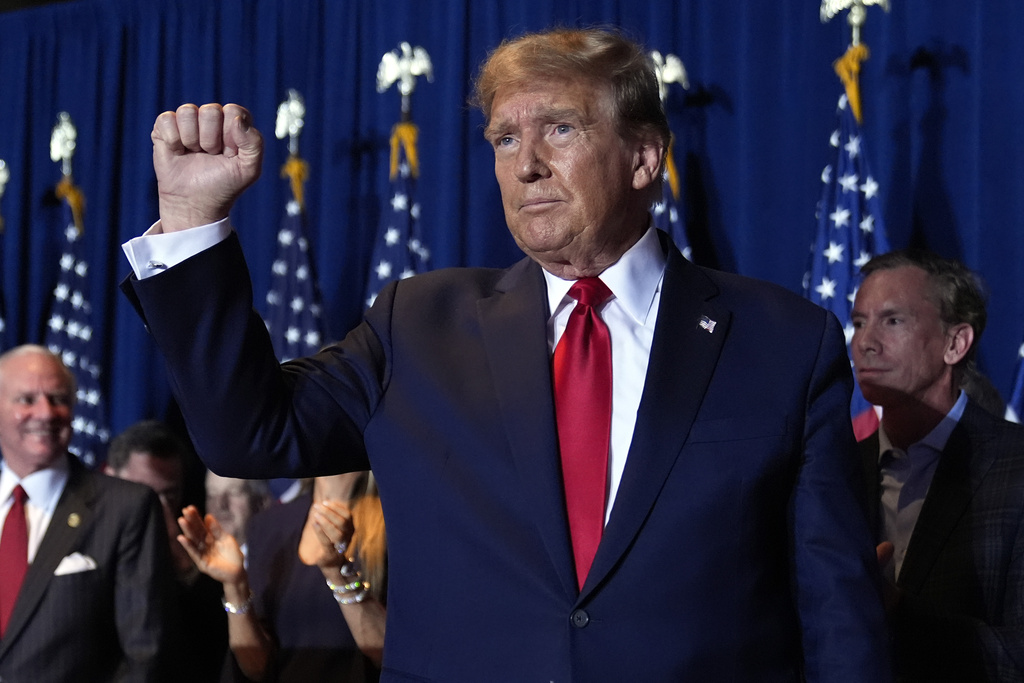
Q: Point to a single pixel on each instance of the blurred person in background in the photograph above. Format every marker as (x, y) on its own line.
(310, 605)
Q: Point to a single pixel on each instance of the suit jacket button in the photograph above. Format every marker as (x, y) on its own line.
(580, 618)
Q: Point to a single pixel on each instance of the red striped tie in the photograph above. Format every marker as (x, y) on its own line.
(583, 409)
(13, 555)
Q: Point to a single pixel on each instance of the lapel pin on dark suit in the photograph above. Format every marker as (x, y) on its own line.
(74, 520)
(707, 323)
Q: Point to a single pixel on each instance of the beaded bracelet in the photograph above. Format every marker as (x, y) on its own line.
(350, 593)
(232, 608)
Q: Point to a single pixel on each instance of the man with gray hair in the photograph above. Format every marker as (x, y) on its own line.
(84, 570)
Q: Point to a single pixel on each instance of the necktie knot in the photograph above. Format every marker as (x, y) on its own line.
(19, 495)
(590, 291)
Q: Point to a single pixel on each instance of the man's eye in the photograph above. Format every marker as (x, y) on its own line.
(563, 128)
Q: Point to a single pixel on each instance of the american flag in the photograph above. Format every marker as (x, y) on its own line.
(70, 334)
(667, 213)
(850, 232)
(1015, 406)
(294, 309)
(399, 251)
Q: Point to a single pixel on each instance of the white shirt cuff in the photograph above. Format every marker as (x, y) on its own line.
(155, 251)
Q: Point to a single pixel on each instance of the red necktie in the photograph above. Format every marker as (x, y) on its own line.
(13, 555)
(583, 409)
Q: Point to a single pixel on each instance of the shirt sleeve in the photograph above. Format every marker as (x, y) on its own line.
(155, 251)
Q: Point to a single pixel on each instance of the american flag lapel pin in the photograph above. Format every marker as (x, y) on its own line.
(706, 323)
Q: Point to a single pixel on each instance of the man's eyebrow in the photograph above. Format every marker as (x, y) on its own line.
(545, 114)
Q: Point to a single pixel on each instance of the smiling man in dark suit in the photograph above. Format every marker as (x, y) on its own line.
(945, 477)
(83, 583)
(706, 527)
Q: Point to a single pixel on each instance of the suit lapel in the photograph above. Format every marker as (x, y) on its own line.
(962, 466)
(72, 516)
(683, 359)
(514, 328)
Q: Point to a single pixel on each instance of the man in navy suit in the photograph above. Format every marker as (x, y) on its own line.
(734, 544)
(91, 603)
(945, 477)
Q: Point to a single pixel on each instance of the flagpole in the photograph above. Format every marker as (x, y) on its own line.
(857, 17)
(666, 212)
(851, 227)
(5, 175)
(399, 250)
(70, 333)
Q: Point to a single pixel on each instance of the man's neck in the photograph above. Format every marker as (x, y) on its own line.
(909, 421)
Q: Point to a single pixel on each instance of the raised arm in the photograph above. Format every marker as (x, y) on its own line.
(204, 158)
(217, 554)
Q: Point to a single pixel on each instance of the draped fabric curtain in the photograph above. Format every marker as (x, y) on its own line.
(942, 126)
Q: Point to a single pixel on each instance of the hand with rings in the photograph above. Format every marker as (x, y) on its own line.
(215, 552)
(332, 522)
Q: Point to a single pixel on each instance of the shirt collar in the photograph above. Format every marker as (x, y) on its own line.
(634, 279)
(935, 439)
(43, 487)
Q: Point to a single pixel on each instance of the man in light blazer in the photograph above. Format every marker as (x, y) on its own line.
(945, 477)
(90, 607)
(735, 545)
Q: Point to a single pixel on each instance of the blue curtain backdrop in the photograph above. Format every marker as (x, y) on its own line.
(943, 112)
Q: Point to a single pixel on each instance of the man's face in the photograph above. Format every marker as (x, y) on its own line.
(166, 476)
(36, 400)
(901, 349)
(229, 501)
(571, 186)
(163, 475)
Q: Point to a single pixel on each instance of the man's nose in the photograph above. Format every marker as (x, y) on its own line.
(531, 163)
(864, 339)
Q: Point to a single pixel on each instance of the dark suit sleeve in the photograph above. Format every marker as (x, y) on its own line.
(142, 611)
(836, 574)
(248, 416)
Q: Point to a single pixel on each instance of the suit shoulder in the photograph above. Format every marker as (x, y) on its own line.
(122, 490)
(464, 281)
(768, 305)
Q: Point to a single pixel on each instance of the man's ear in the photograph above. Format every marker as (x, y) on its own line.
(959, 339)
(647, 164)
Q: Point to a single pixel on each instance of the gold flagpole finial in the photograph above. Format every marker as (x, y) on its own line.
(291, 116)
(847, 67)
(63, 140)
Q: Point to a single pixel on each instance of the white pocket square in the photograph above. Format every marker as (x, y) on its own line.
(74, 563)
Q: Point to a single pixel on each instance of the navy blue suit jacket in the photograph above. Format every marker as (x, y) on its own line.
(737, 548)
(961, 614)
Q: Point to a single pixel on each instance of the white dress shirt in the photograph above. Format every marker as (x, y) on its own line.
(43, 488)
(906, 477)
